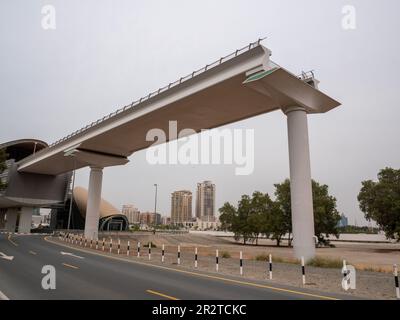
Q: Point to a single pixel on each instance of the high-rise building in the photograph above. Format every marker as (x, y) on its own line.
(205, 201)
(132, 213)
(181, 206)
(150, 218)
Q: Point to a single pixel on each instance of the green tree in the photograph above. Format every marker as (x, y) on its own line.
(259, 215)
(281, 223)
(380, 201)
(248, 220)
(326, 216)
(3, 157)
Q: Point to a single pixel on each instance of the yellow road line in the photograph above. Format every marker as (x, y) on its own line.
(70, 266)
(9, 239)
(161, 295)
(33, 252)
(252, 284)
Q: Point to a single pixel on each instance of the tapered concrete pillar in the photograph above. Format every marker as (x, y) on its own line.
(93, 203)
(11, 219)
(25, 220)
(300, 184)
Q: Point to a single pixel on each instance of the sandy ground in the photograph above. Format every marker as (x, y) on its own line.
(365, 257)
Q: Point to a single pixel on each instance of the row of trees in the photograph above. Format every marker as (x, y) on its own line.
(259, 214)
(380, 201)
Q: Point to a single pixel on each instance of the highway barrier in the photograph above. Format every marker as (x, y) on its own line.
(110, 245)
(128, 248)
(138, 249)
(119, 246)
(163, 253)
(179, 254)
(103, 247)
(303, 271)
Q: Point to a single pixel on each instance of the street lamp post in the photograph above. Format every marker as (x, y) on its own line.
(72, 195)
(155, 202)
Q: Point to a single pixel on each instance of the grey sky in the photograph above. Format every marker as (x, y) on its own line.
(105, 54)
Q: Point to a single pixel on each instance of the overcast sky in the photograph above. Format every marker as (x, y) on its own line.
(105, 54)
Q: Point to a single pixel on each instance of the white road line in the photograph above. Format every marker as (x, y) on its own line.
(71, 254)
(4, 256)
(3, 296)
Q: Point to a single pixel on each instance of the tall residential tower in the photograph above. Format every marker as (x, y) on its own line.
(205, 201)
(181, 206)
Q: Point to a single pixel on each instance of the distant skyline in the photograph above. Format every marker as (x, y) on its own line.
(103, 55)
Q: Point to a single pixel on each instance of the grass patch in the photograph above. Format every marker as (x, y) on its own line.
(225, 254)
(262, 257)
(325, 263)
(382, 269)
(275, 259)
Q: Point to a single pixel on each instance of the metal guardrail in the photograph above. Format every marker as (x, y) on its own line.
(306, 76)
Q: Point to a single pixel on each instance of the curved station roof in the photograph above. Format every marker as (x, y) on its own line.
(20, 149)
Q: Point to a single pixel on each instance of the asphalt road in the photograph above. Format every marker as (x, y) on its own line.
(98, 276)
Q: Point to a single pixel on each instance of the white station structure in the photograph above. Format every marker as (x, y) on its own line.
(239, 86)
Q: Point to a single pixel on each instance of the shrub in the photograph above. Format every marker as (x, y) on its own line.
(325, 263)
(225, 254)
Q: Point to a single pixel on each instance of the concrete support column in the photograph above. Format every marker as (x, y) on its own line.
(93, 203)
(11, 219)
(25, 220)
(300, 184)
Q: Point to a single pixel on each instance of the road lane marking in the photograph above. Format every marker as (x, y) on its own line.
(3, 296)
(33, 252)
(71, 254)
(70, 266)
(9, 239)
(6, 257)
(161, 295)
(251, 284)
